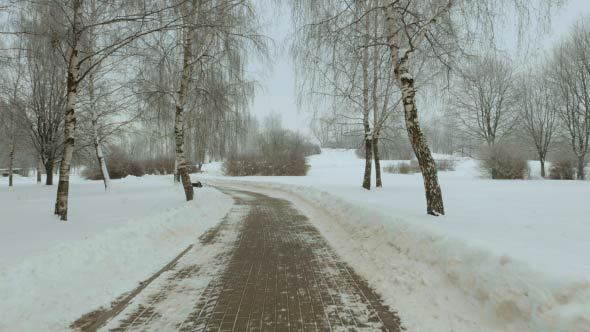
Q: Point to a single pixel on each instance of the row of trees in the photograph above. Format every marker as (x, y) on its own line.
(367, 59)
(545, 104)
(82, 75)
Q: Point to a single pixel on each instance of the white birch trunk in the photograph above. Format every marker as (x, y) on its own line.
(61, 203)
(434, 200)
(366, 109)
(95, 136)
(104, 171)
(182, 166)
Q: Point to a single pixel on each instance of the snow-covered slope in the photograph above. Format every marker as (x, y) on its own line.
(52, 272)
(516, 250)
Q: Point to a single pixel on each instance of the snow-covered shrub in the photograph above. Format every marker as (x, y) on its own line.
(404, 167)
(445, 165)
(158, 165)
(563, 169)
(119, 166)
(287, 163)
(504, 162)
(277, 151)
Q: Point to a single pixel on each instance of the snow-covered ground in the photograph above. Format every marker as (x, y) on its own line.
(509, 255)
(52, 272)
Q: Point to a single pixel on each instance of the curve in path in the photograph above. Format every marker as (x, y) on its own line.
(264, 268)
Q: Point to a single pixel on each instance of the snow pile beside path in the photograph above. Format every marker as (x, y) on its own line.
(436, 280)
(50, 289)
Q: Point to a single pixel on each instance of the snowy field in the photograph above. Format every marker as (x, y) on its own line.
(52, 272)
(509, 255)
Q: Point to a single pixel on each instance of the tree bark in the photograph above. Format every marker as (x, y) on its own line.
(39, 166)
(11, 160)
(581, 166)
(542, 161)
(377, 159)
(400, 61)
(61, 203)
(366, 111)
(368, 161)
(434, 200)
(179, 121)
(49, 172)
(104, 171)
(176, 172)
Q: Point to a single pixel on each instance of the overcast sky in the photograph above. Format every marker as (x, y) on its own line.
(278, 92)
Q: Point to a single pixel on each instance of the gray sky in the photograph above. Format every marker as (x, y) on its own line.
(278, 91)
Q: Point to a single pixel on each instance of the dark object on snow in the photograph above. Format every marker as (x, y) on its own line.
(198, 184)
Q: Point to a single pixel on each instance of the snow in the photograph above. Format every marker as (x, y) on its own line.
(508, 256)
(53, 272)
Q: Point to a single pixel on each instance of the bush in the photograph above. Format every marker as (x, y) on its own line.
(119, 165)
(504, 162)
(292, 164)
(445, 165)
(158, 166)
(404, 167)
(563, 169)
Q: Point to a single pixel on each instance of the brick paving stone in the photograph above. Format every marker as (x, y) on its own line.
(283, 276)
(278, 274)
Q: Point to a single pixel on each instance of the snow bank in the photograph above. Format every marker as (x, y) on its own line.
(409, 263)
(48, 289)
(509, 255)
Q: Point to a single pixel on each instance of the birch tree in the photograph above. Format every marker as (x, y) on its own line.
(415, 31)
(123, 21)
(207, 88)
(188, 61)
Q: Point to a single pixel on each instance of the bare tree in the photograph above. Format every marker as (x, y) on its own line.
(416, 32)
(45, 96)
(123, 22)
(208, 88)
(538, 111)
(12, 105)
(571, 66)
(485, 99)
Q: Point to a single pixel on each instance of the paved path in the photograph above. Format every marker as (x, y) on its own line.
(264, 268)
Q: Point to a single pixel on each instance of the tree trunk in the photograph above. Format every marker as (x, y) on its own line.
(176, 172)
(11, 160)
(39, 166)
(179, 121)
(49, 172)
(434, 200)
(368, 161)
(542, 161)
(61, 203)
(581, 164)
(104, 171)
(366, 111)
(377, 159)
